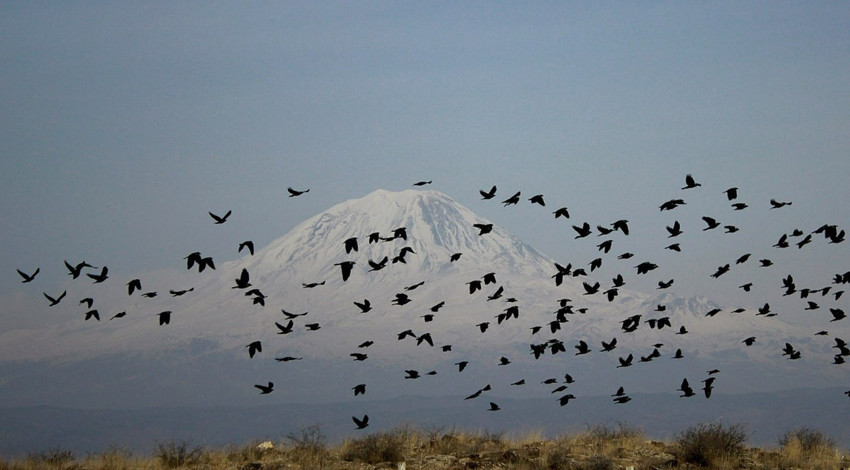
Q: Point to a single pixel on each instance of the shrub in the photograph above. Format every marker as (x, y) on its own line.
(711, 444)
(376, 448)
(809, 446)
(309, 445)
(173, 454)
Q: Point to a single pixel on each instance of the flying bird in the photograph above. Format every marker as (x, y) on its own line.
(364, 306)
(246, 244)
(265, 389)
(488, 194)
(690, 183)
(421, 183)
(345, 267)
(361, 423)
(28, 277)
(98, 278)
(220, 219)
(254, 348)
(294, 192)
(134, 285)
(512, 200)
(242, 282)
(56, 300)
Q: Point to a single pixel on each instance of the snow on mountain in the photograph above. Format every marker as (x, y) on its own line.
(434, 227)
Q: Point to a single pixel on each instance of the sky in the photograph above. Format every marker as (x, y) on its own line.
(124, 124)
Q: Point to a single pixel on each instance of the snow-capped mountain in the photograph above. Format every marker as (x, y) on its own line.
(414, 235)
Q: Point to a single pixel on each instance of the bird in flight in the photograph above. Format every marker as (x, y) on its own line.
(294, 192)
(345, 267)
(421, 183)
(690, 183)
(98, 278)
(265, 389)
(246, 244)
(220, 219)
(488, 194)
(56, 300)
(28, 277)
(512, 200)
(361, 423)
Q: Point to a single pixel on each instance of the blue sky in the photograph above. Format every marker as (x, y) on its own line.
(123, 124)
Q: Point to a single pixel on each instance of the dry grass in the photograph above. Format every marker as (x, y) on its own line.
(601, 447)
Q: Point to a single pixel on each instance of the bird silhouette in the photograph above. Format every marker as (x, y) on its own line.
(345, 268)
(134, 285)
(254, 347)
(731, 194)
(582, 231)
(93, 314)
(220, 219)
(359, 389)
(246, 244)
(284, 329)
(75, 271)
(675, 230)
(512, 200)
(361, 423)
(690, 183)
(242, 282)
(488, 194)
(164, 317)
(55, 300)
(483, 228)
(562, 212)
(710, 223)
(265, 389)
(494, 407)
(364, 306)
(98, 278)
(421, 183)
(537, 199)
(294, 192)
(28, 277)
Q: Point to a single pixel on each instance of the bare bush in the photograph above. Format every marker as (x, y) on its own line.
(711, 444)
(173, 454)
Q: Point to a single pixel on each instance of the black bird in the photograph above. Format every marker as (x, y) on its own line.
(164, 317)
(625, 361)
(483, 228)
(178, 293)
(494, 407)
(312, 326)
(731, 194)
(774, 204)
(645, 267)
(345, 267)
(350, 244)
(242, 281)
(98, 278)
(675, 230)
(671, 204)
(721, 271)
(537, 199)
(246, 244)
(609, 346)
(293, 192)
(364, 306)
(474, 286)
(837, 314)
(377, 266)
(674, 247)
(220, 220)
(119, 315)
(425, 337)
(88, 301)
(265, 389)
(287, 359)
(75, 271)
(582, 231)
(28, 277)
(359, 356)
(566, 399)
(461, 365)
(690, 183)
(710, 223)
(665, 285)
(743, 258)
(483, 326)
(291, 315)
(590, 289)
(134, 285)
(361, 423)
(739, 206)
(54, 301)
(749, 341)
(254, 348)
(562, 212)
(93, 314)
(359, 389)
(411, 374)
(401, 299)
(454, 257)
(621, 225)
(365, 344)
(512, 200)
(437, 307)
(686, 389)
(414, 286)
(488, 194)
(421, 183)
(310, 285)
(284, 329)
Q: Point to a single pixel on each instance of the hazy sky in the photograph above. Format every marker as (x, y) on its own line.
(123, 124)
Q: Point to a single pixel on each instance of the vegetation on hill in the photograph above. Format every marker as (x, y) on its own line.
(603, 447)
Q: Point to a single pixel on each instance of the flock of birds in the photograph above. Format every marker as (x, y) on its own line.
(832, 234)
